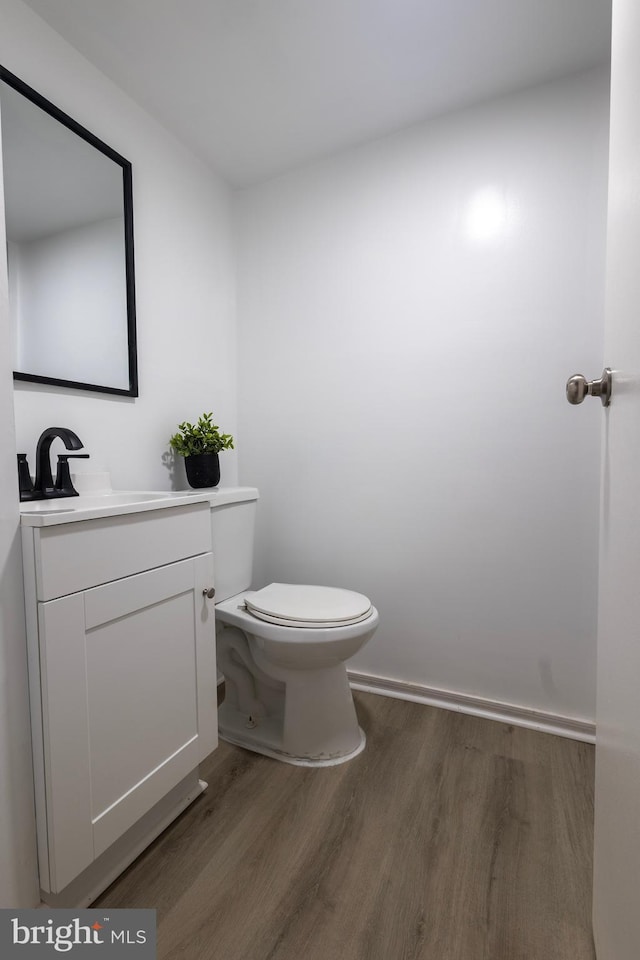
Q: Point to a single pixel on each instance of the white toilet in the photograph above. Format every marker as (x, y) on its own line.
(282, 650)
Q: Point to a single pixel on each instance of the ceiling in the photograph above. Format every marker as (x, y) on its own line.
(256, 87)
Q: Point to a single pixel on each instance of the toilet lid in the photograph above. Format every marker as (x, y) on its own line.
(300, 605)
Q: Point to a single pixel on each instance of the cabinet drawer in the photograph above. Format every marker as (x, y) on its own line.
(74, 557)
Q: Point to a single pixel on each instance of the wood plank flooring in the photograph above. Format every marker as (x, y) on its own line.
(450, 838)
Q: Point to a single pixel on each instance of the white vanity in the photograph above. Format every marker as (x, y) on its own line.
(122, 673)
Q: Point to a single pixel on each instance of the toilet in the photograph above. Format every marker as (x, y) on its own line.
(282, 650)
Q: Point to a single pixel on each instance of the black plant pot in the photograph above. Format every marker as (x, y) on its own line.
(203, 470)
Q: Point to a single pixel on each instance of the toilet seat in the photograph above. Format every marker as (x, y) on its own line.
(301, 605)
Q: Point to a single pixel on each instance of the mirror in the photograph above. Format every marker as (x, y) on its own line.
(69, 220)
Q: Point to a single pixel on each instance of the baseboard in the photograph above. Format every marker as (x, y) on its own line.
(573, 728)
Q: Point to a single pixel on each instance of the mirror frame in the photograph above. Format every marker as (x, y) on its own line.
(21, 87)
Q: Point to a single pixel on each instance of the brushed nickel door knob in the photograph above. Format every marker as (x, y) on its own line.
(578, 387)
(209, 593)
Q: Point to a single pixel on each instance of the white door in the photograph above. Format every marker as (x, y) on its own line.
(617, 822)
(127, 671)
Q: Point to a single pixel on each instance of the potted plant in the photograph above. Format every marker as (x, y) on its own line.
(200, 445)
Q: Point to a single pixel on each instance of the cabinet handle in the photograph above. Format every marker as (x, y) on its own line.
(210, 593)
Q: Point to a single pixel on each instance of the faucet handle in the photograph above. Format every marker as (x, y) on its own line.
(25, 483)
(63, 485)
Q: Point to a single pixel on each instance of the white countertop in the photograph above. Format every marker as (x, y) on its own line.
(93, 506)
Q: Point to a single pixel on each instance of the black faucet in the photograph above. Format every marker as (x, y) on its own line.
(44, 487)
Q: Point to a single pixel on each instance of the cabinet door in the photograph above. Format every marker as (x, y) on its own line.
(128, 682)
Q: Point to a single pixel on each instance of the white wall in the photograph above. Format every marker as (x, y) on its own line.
(409, 312)
(184, 275)
(186, 341)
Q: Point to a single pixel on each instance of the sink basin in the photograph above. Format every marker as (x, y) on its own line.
(89, 506)
(43, 507)
(88, 501)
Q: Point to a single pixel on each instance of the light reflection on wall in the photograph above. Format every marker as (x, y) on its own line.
(490, 215)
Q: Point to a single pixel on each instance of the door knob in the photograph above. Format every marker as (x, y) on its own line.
(578, 387)
(209, 592)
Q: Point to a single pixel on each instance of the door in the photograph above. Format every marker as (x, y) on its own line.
(617, 819)
(127, 674)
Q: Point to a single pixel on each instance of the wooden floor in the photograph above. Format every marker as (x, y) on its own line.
(449, 838)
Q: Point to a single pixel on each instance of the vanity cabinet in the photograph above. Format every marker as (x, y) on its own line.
(122, 674)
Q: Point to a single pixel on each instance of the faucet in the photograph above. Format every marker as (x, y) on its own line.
(44, 487)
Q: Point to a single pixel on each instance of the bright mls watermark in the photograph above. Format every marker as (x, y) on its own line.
(78, 933)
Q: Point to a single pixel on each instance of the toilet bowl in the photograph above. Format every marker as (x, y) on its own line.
(287, 691)
(282, 651)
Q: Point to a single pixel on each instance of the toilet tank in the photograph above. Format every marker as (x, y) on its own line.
(233, 513)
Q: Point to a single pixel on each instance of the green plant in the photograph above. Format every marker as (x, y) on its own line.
(203, 437)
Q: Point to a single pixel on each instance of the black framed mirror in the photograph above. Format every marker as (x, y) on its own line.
(69, 220)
